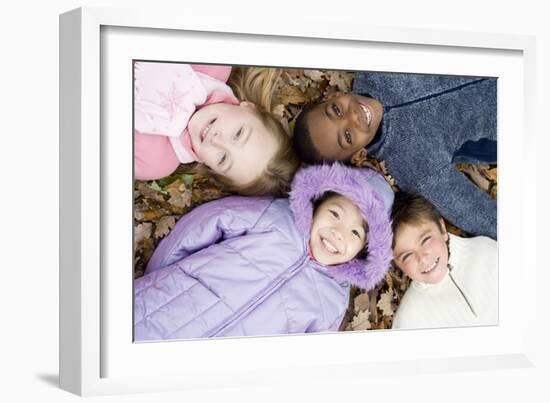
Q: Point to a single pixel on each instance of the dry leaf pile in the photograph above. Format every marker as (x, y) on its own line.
(159, 204)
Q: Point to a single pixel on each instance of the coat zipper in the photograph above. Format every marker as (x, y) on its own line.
(265, 293)
(461, 292)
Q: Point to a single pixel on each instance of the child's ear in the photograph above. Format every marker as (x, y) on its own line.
(359, 156)
(248, 104)
(443, 229)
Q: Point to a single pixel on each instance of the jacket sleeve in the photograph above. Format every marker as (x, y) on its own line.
(461, 202)
(335, 326)
(208, 224)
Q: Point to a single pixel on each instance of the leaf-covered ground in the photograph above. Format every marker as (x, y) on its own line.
(159, 204)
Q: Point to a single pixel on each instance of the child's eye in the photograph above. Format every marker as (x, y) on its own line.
(337, 110)
(426, 240)
(222, 159)
(405, 257)
(347, 136)
(238, 134)
(335, 214)
(356, 233)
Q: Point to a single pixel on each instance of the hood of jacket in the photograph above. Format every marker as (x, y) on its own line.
(374, 197)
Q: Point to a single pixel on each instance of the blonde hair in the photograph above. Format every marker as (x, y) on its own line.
(257, 85)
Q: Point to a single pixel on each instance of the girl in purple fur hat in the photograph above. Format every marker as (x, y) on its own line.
(243, 266)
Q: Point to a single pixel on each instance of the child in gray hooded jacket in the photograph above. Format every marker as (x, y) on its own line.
(420, 125)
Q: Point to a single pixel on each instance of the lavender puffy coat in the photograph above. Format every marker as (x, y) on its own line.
(239, 265)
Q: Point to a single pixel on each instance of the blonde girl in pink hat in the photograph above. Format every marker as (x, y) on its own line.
(185, 113)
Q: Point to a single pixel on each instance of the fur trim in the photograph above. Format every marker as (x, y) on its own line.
(374, 197)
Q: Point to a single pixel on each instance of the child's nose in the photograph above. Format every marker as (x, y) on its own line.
(339, 240)
(216, 138)
(424, 256)
(337, 234)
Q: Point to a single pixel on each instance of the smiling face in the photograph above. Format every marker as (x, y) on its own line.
(343, 125)
(232, 141)
(338, 231)
(421, 251)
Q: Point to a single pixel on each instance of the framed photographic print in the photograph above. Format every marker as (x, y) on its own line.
(110, 223)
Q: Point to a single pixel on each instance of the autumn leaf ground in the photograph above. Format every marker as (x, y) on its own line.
(159, 204)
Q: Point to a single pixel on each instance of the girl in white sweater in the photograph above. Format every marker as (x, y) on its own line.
(454, 279)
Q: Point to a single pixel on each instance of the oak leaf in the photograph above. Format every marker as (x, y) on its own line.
(292, 95)
(295, 78)
(477, 177)
(164, 225)
(180, 196)
(341, 80)
(141, 232)
(148, 191)
(361, 321)
(361, 302)
(278, 110)
(385, 303)
(150, 214)
(389, 280)
(315, 75)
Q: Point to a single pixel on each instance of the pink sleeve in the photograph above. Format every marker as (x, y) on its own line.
(154, 157)
(215, 71)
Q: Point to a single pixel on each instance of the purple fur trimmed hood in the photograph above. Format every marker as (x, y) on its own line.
(374, 197)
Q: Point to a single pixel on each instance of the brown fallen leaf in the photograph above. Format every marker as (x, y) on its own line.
(294, 78)
(361, 302)
(476, 176)
(180, 196)
(144, 252)
(145, 189)
(373, 296)
(292, 95)
(385, 303)
(151, 214)
(400, 280)
(491, 174)
(278, 110)
(386, 322)
(483, 176)
(361, 321)
(314, 75)
(175, 187)
(164, 225)
(141, 232)
(340, 79)
(389, 280)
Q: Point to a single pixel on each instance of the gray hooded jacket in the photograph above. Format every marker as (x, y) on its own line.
(428, 122)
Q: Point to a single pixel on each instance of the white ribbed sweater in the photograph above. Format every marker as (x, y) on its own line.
(470, 300)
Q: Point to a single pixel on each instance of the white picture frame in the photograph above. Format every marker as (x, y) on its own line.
(96, 354)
